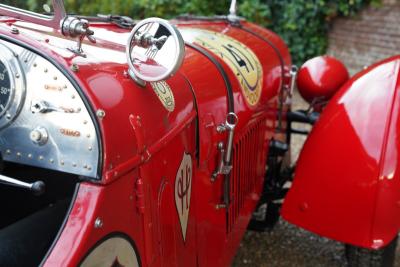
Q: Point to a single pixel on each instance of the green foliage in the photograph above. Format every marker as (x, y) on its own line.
(303, 24)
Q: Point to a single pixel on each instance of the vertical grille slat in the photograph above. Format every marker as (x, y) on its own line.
(247, 160)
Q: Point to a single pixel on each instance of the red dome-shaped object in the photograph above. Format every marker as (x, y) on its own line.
(320, 78)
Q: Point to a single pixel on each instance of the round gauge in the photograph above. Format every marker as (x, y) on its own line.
(12, 85)
(5, 89)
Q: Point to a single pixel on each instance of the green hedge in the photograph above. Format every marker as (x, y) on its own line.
(303, 24)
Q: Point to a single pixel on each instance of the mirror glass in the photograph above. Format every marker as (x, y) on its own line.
(156, 50)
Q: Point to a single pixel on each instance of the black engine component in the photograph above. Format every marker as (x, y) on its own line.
(277, 175)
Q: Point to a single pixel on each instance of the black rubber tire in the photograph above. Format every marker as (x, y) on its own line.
(362, 257)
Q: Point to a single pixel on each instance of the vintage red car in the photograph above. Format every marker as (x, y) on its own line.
(140, 143)
(145, 143)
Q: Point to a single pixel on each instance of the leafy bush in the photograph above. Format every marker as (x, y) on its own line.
(303, 24)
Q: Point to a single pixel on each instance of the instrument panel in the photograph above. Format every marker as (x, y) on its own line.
(43, 120)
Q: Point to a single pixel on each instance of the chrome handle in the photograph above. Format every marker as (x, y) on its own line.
(225, 166)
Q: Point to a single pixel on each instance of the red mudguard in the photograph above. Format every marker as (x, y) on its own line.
(347, 180)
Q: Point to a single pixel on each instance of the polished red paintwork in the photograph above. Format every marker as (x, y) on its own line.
(143, 145)
(347, 181)
(320, 78)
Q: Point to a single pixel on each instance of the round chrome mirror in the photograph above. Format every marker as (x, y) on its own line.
(155, 51)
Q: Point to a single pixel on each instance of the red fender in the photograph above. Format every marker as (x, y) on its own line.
(347, 180)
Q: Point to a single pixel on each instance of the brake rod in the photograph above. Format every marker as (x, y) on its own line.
(37, 188)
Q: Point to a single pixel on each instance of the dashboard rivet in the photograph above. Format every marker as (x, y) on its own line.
(62, 162)
(51, 160)
(85, 122)
(89, 168)
(35, 65)
(17, 75)
(85, 166)
(18, 154)
(65, 86)
(78, 110)
(74, 164)
(8, 151)
(30, 156)
(14, 30)
(90, 148)
(41, 157)
(8, 116)
(73, 96)
(46, 70)
(74, 67)
(88, 135)
(100, 113)
(55, 78)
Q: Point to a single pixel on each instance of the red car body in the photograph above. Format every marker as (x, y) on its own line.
(350, 191)
(153, 187)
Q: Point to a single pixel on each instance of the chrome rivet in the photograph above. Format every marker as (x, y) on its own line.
(90, 148)
(65, 86)
(8, 151)
(18, 154)
(74, 67)
(89, 168)
(46, 70)
(78, 109)
(98, 223)
(100, 113)
(85, 122)
(17, 75)
(62, 162)
(8, 116)
(73, 96)
(85, 166)
(30, 156)
(14, 30)
(41, 157)
(88, 135)
(34, 65)
(55, 78)
(51, 160)
(74, 164)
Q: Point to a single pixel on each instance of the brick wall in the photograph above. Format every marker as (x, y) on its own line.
(372, 35)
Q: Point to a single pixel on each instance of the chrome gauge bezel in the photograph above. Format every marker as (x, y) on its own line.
(17, 86)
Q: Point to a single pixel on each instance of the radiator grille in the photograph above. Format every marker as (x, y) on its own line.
(248, 166)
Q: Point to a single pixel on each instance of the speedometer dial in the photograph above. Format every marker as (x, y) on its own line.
(5, 88)
(12, 86)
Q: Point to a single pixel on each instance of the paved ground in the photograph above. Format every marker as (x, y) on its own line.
(289, 246)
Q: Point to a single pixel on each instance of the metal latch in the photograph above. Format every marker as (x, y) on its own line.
(75, 27)
(225, 165)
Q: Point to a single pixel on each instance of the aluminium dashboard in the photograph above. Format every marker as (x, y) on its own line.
(43, 120)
